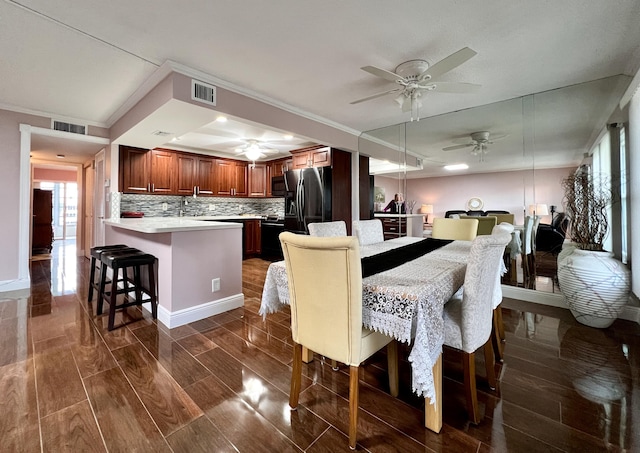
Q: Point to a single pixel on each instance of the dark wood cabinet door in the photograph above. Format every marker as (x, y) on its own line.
(135, 170)
(186, 173)
(300, 161)
(252, 238)
(163, 165)
(205, 179)
(321, 157)
(258, 180)
(277, 168)
(224, 175)
(241, 187)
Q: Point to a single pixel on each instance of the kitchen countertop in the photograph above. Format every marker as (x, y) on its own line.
(173, 224)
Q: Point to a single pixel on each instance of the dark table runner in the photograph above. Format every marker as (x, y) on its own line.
(384, 261)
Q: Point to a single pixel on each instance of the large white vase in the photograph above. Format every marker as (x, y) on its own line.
(594, 284)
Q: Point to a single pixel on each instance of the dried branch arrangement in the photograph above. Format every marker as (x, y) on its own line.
(586, 198)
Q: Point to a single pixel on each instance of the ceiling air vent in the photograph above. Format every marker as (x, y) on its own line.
(161, 133)
(203, 92)
(69, 127)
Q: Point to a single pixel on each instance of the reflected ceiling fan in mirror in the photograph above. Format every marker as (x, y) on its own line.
(416, 77)
(480, 142)
(255, 150)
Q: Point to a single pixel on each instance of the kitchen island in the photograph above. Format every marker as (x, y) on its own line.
(192, 252)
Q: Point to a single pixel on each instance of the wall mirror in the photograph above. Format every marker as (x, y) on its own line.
(531, 143)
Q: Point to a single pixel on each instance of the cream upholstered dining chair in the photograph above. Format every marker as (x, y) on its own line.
(368, 231)
(468, 318)
(485, 223)
(328, 229)
(456, 229)
(498, 336)
(325, 291)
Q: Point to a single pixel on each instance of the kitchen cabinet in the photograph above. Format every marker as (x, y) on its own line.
(230, 177)
(315, 156)
(252, 238)
(147, 171)
(394, 227)
(42, 225)
(258, 180)
(277, 168)
(195, 174)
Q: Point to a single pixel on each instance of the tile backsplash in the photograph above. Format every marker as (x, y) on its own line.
(154, 205)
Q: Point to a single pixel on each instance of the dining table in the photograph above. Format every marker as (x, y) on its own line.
(405, 302)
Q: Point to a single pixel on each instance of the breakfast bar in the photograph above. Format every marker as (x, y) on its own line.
(199, 268)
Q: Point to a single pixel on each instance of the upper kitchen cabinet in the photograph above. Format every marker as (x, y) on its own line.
(258, 180)
(195, 174)
(315, 156)
(230, 177)
(147, 171)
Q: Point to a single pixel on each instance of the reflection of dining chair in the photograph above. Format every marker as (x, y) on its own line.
(504, 218)
(328, 229)
(468, 319)
(325, 290)
(485, 224)
(368, 231)
(456, 229)
(528, 261)
(449, 213)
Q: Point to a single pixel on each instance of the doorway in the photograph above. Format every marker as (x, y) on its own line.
(64, 209)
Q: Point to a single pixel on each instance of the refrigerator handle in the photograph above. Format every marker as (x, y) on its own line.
(300, 195)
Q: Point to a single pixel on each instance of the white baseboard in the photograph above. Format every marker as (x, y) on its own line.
(15, 285)
(185, 316)
(630, 313)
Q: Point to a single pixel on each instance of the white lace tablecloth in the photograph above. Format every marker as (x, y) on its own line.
(405, 302)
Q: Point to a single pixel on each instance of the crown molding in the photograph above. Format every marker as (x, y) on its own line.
(49, 115)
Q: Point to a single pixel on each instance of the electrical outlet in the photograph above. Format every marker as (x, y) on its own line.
(215, 285)
(212, 207)
(164, 206)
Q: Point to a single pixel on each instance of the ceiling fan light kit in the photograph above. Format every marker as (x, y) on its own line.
(416, 77)
(480, 143)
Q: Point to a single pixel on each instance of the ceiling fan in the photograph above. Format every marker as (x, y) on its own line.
(255, 150)
(416, 77)
(480, 142)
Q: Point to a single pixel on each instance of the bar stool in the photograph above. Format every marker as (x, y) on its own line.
(96, 252)
(123, 260)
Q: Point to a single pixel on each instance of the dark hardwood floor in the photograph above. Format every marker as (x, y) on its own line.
(221, 384)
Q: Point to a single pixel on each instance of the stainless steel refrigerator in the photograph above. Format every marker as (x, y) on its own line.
(307, 198)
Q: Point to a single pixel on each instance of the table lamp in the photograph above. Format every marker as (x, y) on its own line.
(538, 209)
(426, 209)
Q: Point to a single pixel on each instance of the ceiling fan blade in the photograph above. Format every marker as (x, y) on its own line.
(456, 87)
(373, 96)
(388, 75)
(447, 64)
(451, 148)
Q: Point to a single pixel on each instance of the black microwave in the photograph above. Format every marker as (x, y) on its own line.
(278, 188)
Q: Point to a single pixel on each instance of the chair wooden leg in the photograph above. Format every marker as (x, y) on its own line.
(392, 366)
(469, 365)
(307, 355)
(495, 337)
(353, 406)
(296, 376)
(490, 364)
(498, 313)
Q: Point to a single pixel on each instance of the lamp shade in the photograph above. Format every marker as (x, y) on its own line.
(426, 209)
(538, 209)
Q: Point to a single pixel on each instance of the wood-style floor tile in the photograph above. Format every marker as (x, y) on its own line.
(247, 430)
(57, 377)
(196, 344)
(331, 441)
(200, 436)
(174, 358)
(72, 429)
(89, 349)
(301, 426)
(168, 404)
(123, 420)
(19, 430)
